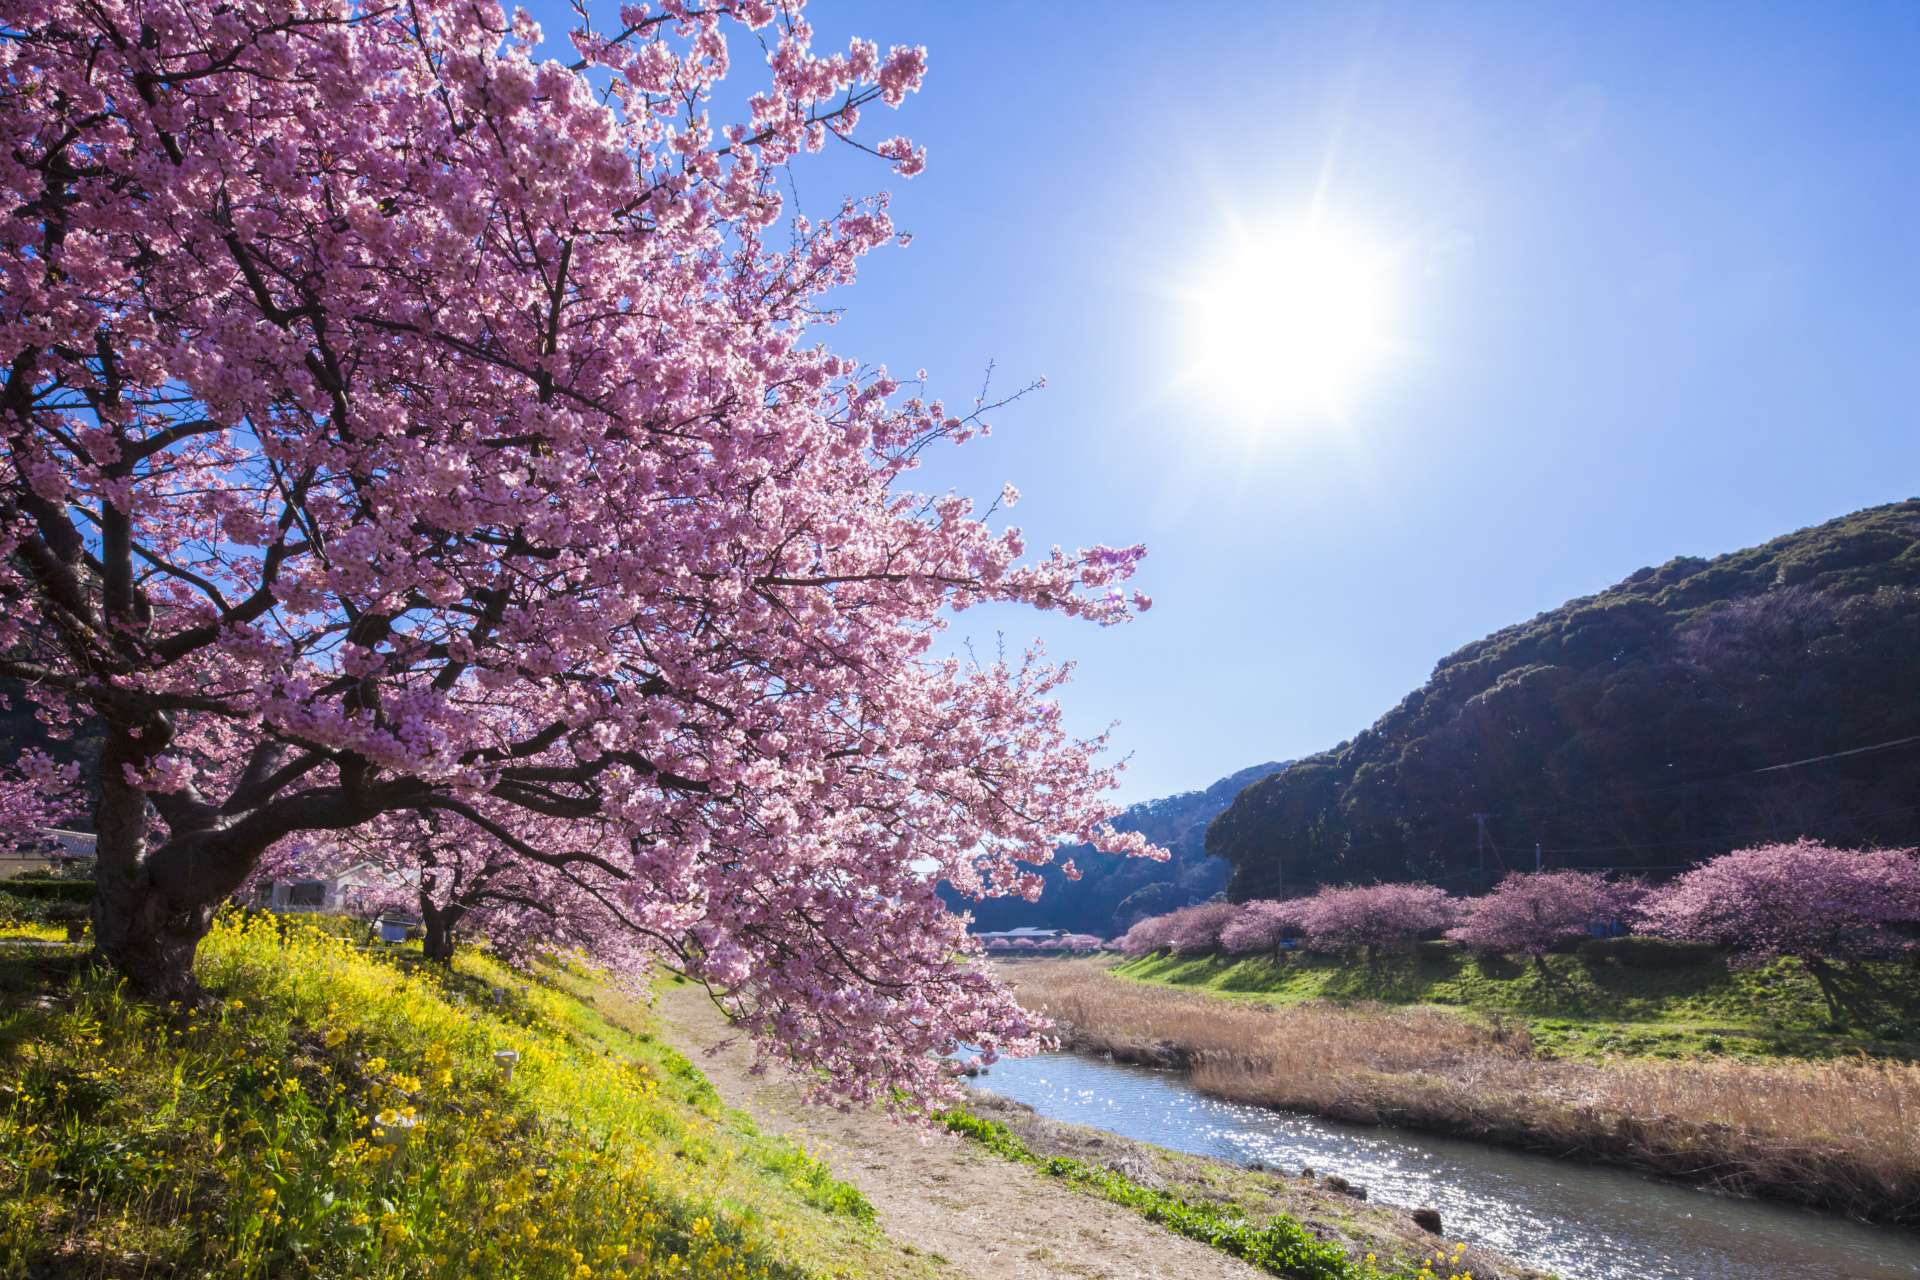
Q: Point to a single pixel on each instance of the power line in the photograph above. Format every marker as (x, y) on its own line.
(1483, 838)
(1707, 779)
(1670, 844)
(1836, 755)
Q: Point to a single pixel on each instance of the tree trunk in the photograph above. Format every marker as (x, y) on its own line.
(152, 906)
(1823, 978)
(137, 929)
(438, 946)
(150, 940)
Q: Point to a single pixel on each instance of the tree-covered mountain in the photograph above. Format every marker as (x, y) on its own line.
(1112, 893)
(1688, 709)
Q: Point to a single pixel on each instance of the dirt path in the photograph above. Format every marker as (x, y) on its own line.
(988, 1218)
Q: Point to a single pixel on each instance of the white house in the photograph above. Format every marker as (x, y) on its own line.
(357, 890)
(51, 851)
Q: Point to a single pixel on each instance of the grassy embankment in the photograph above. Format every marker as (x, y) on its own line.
(243, 1139)
(1835, 1132)
(1638, 998)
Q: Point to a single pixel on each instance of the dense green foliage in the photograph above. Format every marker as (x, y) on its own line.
(48, 889)
(245, 1139)
(1112, 893)
(1280, 1245)
(1622, 996)
(1640, 728)
(33, 909)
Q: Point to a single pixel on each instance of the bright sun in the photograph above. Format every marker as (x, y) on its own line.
(1289, 322)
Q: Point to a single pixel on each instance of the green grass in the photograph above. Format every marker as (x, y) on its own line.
(242, 1139)
(1583, 1006)
(1280, 1246)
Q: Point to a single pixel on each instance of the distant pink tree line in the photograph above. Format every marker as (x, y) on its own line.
(1819, 904)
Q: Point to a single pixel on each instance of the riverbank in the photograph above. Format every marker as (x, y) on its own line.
(1255, 1196)
(1838, 1135)
(338, 1111)
(1628, 997)
(998, 1213)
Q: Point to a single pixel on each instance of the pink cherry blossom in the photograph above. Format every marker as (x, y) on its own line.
(1188, 931)
(1260, 926)
(1804, 899)
(400, 430)
(1372, 918)
(1530, 912)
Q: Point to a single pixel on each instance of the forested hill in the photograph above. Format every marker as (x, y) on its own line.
(1112, 893)
(1686, 710)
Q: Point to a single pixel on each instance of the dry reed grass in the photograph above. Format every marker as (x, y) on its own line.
(1839, 1134)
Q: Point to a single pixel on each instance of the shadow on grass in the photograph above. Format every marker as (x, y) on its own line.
(27, 973)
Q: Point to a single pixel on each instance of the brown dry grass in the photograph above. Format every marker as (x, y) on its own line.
(1839, 1134)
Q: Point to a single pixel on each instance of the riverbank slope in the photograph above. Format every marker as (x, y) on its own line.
(1624, 997)
(1837, 1134)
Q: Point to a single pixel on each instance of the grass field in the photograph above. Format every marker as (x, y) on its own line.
(1578, 1006)
(246, 1138)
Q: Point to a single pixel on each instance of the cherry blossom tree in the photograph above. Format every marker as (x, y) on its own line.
(1188, 931)
(1804, 899)
(1373, 918)
(1196, 929)
(397, 424)
(463, 882)
(1532, 912)
(1261, 925)
(1144, 937)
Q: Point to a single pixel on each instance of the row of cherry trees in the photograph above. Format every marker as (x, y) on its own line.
(1076, 943)
(1803, 899)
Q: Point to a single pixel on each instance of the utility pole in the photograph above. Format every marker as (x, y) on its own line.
(1536, 857)
(1480, 844)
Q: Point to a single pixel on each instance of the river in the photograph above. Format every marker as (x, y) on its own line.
(1580, 1221)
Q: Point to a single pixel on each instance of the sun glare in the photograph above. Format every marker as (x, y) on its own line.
(1288, 323)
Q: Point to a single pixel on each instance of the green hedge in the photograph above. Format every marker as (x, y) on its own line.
(15, 909)
(45, 887)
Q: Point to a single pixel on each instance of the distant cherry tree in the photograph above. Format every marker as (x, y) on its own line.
(1373, 918)
(1188, 931)
(463, 883)
(395, 422)
(1196, 930)
(1260, 926)
(1821, 905)
(1146, 936)
(1532, 912)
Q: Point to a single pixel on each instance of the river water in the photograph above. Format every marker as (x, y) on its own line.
(1582, 1222)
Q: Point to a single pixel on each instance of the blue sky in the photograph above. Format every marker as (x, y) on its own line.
(1656, 291)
